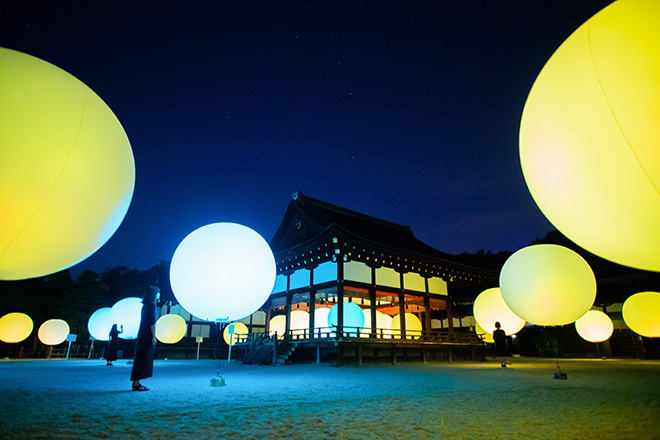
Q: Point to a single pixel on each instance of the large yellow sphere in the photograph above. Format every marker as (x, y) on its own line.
(15, 327)
(240, 332)
(53, 332)
(489, 307)
(67, 171)
(413, 326)
(277, 325)
(641, 312)
(170, 328)
(299, 322)
(595, 326)
(486, 336)
(589, 135)
(547, 284)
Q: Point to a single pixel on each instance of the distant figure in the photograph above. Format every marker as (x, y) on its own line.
(145, 346)
(113, 344)
(500, 343)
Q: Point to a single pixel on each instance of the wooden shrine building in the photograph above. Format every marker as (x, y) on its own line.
(327, 255)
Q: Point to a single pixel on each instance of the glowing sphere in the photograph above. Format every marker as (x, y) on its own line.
(99, 324)
(594, 326)
(240, 332)
(299, 322)
(353, 317)
(15, 327)
(127, 313)
(547, 284)
(321, 321)
(413, 326)
(53, 332)
(489, 307)
(486, 336)
(589, 135)
(278, 324)
(170, 328)
(67, 171)
(222, 271)
(383, 323)
(641, 312)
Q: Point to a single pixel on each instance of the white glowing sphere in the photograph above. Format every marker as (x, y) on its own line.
(53, 332)
(353, 317)
(99, 324)
(589, 135)
(15, 327)
(594, 326)
(321, 321)
(413, 326)
(222, 271)
(277, 325)
(170, 328)
(489, 307)
(486, 336)
(127, 313)
(67, 171)
(383, 323)
(547, 284)
(641, 312)
(299, 322)
(240, 332)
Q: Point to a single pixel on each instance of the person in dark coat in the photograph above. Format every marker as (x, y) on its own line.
(113, 344)
(143, 361)
(499, 336)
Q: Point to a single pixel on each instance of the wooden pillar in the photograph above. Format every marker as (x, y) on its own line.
(427, 314)
(287, 310)
(450, 315)
(312, 307)
(340, 294)
(393, 354)
(269, 307)
(372, 300)
(402, 312)
(359, 354)
(318, 353)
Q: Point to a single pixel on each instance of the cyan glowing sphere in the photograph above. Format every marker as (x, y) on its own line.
(127, 313)
(486, 336)
(240, 332)
(413, 326)
(222, 271)
(321, 321)
(594, 326)
(277, 325)
(53, 332)
(641, 312)
(299, 322)
(489, 307)
(170, 328)
(547, 284)
(15, 327)
(99, 324)
(589, 135)
(67, 171)
(353, 317)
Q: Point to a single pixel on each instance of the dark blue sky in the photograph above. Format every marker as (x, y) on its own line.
(404, 110)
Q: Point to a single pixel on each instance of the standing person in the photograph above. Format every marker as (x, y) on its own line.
(145, 346)
(499, 336)
(113, 344)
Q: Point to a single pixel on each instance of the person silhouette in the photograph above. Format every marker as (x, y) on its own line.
(501, 345)
(113, 344)
(145, 346)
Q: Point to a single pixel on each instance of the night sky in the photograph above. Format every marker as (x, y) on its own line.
(404, 110)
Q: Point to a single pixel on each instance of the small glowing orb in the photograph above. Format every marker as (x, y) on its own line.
(277, 325)
(641, 312)
(589, 135)
(15, 327)
(67, 171)
(127, 313)
(321, 321)
(99, 324)
(594, 326)
(240, 333)
(413, 326)
(170, 328)
(486, 336)
(222, 271)
(489, 308)
(547, 284)
(299, 322)
(353, 318)
(53, 332)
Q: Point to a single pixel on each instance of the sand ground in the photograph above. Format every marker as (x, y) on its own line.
(84, 399)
